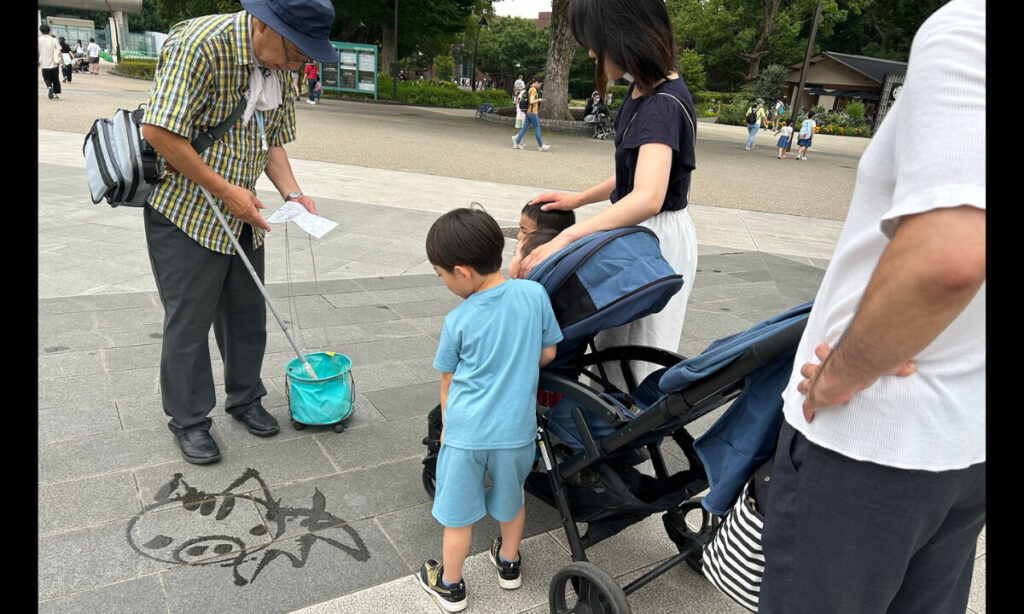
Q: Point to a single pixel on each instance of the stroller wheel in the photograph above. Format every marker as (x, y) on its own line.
(584, 588)
(429, 481)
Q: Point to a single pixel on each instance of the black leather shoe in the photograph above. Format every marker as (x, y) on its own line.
(199, 447)
(258, 421)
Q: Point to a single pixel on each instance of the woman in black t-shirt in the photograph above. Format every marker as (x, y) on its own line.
(654, 140)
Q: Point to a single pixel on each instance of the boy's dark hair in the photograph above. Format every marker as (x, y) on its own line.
(468, 237)
(636, 35)
(535, 239)
(549, 220)
(45, 29)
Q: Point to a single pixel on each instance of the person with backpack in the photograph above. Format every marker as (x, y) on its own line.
(529, 103)
(779, 110)
(205, 67)
(755, 119)
(805, 136)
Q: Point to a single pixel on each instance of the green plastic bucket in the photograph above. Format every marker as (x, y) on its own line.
(326, 399)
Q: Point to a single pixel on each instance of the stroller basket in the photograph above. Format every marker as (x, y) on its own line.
(326, 399)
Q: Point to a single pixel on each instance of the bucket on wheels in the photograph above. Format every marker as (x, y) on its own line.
(324, 400)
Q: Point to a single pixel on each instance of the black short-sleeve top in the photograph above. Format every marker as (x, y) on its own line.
(656, 118)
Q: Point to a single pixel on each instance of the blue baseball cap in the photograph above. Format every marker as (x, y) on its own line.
(306, 23)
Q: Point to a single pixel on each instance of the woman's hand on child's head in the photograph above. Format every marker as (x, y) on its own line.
(556, 201)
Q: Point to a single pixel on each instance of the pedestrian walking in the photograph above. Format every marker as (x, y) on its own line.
(533, 100)
(94, 57)
(786, 133)
(312, 74)
(206, 66)
(779, 110)
(49, 62)
(520, 112)
(805, 136)
(877, 492)
(654, 156)
(296, 88)
(755, 119)
(66, 61)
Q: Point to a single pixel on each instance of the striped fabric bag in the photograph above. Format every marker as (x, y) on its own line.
(733, 560)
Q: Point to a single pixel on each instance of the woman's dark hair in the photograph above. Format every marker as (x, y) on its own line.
(636, 35)
(555, 219)
(468, 237)
(535, 239)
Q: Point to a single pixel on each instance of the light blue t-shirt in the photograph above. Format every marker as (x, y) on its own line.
(491, 343)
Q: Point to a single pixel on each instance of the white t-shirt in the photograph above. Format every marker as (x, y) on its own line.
(49, 51)
(786, 130)
(94, 50)
(934, 419)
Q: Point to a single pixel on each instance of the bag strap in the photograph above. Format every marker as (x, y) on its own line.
(209, 137)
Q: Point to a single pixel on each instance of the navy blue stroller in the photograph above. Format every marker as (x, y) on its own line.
(592, 435)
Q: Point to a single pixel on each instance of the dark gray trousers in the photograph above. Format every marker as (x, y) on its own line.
(199, 288)
(844, 536)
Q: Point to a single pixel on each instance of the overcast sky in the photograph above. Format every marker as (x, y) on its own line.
(521, 8)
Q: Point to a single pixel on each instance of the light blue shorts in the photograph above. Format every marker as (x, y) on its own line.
(459, 497)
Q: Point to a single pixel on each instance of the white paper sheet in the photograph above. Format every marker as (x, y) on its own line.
(292, 211)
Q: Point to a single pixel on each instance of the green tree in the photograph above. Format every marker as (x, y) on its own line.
(882, 29)
(691, 69)
(770, 82)
(173, 11)
(512, 46)
(736, 36)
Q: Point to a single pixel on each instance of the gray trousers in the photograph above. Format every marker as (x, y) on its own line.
(199, 288)
(845, 536)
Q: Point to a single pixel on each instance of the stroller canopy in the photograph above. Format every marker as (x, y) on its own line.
(605, 279)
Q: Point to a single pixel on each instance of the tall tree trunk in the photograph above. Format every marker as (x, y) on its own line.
(560, 51)
(753, 58)
(387, 49)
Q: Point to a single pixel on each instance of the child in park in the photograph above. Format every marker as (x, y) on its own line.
(490, 352)
(533, 218)
(787, 132)
(805, 136)
(527, 244)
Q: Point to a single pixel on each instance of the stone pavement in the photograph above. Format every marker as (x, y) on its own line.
(315, 521)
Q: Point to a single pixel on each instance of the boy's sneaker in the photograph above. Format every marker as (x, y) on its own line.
(544, 147)
(508, 573)
(450, 599)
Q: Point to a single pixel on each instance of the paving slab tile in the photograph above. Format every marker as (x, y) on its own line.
(95, 388)
(389, 283)
(376, 444)
(142, 595)
(297, 573)
(274, 463)
(680, 590)
(104, 453)
(406, 401)
(400, 596)
(72, 423)
(394, 374)
(84, 559)
(81, 503)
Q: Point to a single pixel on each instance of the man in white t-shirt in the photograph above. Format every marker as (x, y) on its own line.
(94, 57)
(877, 490)
(49, 61)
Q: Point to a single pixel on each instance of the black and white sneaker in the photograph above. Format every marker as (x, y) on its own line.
(450, 599)
(508, 573)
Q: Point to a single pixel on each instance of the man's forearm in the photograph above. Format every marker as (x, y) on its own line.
(279, 171)
(932, 268)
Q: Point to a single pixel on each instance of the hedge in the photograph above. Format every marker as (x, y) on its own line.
(136, 67)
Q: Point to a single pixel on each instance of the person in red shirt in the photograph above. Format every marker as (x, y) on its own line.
(312, 76)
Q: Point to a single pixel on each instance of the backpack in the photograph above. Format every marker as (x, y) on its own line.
(524, 101)
(752, 116)
(121, 166)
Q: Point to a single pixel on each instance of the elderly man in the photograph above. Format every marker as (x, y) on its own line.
(208, 67)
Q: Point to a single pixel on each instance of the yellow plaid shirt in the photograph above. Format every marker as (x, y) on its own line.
(202, 73)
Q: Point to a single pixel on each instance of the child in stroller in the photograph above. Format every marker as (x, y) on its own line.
(589, 431)
(597, 113)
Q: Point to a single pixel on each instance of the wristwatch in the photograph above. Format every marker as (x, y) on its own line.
(292, 196)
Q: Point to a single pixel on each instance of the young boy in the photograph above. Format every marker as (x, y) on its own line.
(534, 218)
(527, 244)
(491, 349)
